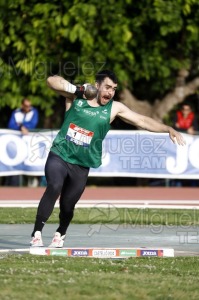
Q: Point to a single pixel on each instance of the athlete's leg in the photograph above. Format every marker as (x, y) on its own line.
(72, 190)
(56, 173)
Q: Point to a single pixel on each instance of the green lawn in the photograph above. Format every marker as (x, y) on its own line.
(28, 276)
(104, 215)
(25, 277)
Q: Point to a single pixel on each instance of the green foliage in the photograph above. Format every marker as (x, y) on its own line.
(145, 42)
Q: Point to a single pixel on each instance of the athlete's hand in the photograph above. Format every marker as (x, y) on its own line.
(176, 137)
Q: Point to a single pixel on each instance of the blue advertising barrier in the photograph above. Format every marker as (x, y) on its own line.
(125, 153)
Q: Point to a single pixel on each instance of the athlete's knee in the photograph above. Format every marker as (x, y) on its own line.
(54, 187)
(66, 212)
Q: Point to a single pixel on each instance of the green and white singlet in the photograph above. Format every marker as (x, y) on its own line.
(80, 138)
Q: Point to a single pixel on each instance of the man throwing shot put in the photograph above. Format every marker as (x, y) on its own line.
(78, 147)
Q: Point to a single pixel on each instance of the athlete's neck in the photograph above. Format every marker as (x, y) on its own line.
(93, 102)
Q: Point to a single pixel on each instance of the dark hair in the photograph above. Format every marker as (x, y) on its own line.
(24, 99)
(187, 104)
(100, 76)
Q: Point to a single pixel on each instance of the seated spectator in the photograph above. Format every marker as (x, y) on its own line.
(185, 120)
(24, 119)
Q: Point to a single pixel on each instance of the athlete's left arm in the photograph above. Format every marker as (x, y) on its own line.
(146, 123)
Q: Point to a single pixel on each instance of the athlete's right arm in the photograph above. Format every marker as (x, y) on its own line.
(62, 87)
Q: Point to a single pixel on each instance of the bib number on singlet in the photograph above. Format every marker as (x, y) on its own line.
(79, 136)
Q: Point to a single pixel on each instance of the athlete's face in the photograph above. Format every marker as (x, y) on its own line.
(106, 91)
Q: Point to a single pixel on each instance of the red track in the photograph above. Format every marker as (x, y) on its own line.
(108, 193)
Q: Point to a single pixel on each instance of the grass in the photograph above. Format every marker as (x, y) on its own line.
(28, 276)
(25, 277)
(107, 215)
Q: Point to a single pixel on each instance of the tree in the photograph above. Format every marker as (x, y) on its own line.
(152, 45)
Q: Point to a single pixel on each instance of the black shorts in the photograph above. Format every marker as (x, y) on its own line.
(65, 181)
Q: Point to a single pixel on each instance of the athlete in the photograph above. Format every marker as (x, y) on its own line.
(78, 147)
